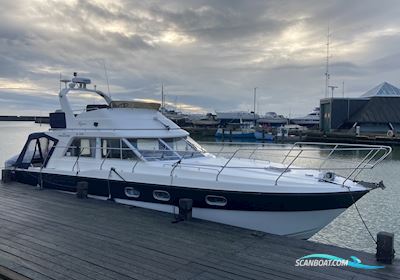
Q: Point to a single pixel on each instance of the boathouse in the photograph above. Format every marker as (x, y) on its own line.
(375, 112)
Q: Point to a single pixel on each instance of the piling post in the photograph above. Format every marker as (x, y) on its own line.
(385, 247)
(82, 189)
(6, 176)
(185, 208)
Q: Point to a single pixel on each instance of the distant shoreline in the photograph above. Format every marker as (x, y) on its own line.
(37, 119)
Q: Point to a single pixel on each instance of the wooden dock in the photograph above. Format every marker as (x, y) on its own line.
(47, 234)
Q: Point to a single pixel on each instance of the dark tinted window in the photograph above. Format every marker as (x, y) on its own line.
(111, 148)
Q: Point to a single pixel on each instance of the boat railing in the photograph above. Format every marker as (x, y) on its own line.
(350, 159)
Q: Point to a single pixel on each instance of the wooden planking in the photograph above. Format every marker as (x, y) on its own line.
(46, 234)
(7, 273)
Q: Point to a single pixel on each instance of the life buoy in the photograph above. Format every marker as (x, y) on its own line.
(390, 133)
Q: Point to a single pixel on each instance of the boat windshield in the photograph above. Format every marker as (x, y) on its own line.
(153, 149)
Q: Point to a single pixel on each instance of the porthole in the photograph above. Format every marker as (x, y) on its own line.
(161, 195)
(131, 192)
(216, 200)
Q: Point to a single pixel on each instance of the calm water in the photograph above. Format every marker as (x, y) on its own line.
(380, 208)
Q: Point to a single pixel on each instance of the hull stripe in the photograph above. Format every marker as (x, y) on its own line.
(244, 201)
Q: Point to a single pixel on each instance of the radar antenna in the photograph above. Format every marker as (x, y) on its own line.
(332, 88)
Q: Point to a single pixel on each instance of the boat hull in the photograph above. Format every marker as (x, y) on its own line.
(296, 224)
(259, 135)
(234, 134)
(297, 215)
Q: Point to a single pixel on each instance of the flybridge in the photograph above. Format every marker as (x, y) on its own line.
(80, 84)
(114, 115)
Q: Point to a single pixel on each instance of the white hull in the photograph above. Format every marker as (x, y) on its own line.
(297, 224)
(306, 122)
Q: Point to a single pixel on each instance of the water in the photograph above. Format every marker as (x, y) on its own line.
(13, 137)
(380, 208)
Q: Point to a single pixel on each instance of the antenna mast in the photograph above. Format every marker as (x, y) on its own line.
(254, 101)
(327, 75)
(343, 88)
(162, 97)
(105, 73)
(254, 108)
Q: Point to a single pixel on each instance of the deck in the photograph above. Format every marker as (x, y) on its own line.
(47, 234)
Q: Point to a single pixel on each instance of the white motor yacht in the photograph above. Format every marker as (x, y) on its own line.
(310, 120)
(128, 152)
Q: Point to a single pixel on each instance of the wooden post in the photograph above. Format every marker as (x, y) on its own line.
(6, 176)
(385, 247)
(82, 190)
(185, 208)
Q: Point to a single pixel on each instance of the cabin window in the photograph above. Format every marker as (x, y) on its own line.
(116, 148)
(82, 147)
(127, 153)
(182, 147)
(152, 149)
(161, 195)
(147, 144)
(216, 200)
(166, 149)
(111, 148)
(131, 192)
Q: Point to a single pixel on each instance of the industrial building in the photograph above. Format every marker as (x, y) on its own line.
(375, 112)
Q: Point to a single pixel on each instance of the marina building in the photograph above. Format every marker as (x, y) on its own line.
(375, 112)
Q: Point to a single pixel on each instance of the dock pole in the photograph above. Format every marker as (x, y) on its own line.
(385, 247)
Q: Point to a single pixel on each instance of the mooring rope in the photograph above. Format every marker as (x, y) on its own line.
(359, 214)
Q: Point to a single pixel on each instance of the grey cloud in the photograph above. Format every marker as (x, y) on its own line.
(231, 52)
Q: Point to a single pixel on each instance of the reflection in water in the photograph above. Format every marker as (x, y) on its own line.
(380, 208)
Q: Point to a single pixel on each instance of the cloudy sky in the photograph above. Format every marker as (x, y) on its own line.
(208, 54)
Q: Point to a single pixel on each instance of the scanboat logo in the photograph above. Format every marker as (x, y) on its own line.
(330, 260)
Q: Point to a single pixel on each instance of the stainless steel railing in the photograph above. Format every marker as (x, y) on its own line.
(374, 155)
(361, 157)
